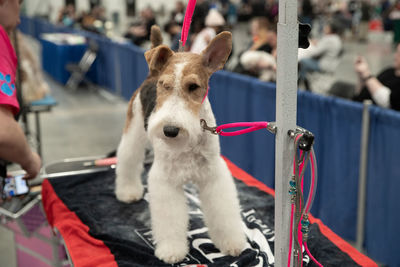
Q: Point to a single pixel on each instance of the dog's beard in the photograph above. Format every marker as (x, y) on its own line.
(188, 137)
(184, 142)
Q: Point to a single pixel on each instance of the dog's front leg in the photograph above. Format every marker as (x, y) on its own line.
(169, 216)
(130, 154)
(221, 209)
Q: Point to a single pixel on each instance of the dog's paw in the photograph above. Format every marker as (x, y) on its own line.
(171, 252)
(231, 245)
(129, 194)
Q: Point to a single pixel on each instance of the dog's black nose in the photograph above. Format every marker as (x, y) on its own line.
(171, 131)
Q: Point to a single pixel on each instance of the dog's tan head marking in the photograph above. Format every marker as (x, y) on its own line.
(186, 74)
(179, 82)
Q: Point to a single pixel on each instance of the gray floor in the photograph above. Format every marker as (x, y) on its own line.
(87, 123)
(84, 123)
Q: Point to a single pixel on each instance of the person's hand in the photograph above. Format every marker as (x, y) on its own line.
(361, 67)
(32, 167)
(138, 31)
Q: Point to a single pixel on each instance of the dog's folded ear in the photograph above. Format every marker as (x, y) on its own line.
(157, 57)
(155, 36)
(217, 52)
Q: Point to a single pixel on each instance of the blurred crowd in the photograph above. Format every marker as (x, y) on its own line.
(332, 21)
(94, 21)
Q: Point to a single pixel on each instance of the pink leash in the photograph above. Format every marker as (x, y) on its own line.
(187, 21)
(252, 126)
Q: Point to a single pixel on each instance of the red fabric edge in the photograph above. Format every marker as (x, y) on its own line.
(353, 253)
(85, 251)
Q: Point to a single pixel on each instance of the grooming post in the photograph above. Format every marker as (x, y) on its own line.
(286, 106)
(362, 180)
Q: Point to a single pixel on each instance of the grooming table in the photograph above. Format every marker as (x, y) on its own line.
(98, 230)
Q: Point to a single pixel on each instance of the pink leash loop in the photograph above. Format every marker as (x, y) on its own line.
(187, 21)
(252, 126)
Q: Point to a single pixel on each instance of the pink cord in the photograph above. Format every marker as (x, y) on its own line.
(312, 183)
(106, 161)
(187, 20)
(252, 126)
(306, 209)
(299, 232)
(204, 98)
(291, 234)
(311, 256)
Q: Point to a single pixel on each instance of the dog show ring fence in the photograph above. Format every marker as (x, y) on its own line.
(336, 124)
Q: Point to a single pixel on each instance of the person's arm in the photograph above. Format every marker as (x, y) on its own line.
(318, 48)
(380, 93)
(14, 146)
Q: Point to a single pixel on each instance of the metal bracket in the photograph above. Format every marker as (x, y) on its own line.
(306, 141)
(299, 130)
(272, 127)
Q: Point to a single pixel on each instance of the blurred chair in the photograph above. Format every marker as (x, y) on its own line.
(78, 71)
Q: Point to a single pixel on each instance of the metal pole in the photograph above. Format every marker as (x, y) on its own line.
(38, 134)
(362, 180)
(286, 106)
(118, 78)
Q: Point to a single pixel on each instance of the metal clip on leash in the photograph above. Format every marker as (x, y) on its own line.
(205, 127)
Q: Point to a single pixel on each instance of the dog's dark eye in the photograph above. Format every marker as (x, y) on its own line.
(193, 87)
(164, 85)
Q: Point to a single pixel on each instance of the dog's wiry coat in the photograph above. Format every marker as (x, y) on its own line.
(166, 111)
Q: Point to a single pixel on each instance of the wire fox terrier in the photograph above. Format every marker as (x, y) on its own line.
(166, 110)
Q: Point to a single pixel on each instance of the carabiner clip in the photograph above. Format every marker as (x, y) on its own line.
(204, 125)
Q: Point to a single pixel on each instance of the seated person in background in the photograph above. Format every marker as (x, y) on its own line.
(174, 26)
(259, 60)
(263, 34)
(324, 54)
(13, 144)
(261, 64)
(214, 25)
(67, 16)
(94, 21)
(33, 84)
(383, 90)
(174, 31)
(198, 19)
(178, 14)
(139, 32)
